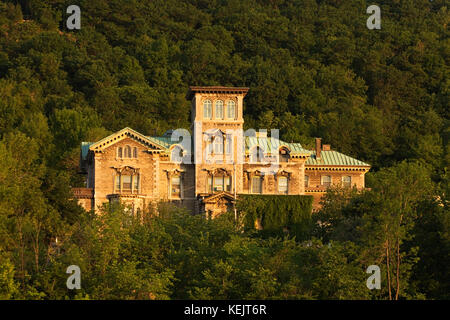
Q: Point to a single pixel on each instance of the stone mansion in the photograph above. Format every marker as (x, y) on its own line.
(206, 172)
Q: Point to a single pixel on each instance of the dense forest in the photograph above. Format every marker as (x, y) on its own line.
(314, 70)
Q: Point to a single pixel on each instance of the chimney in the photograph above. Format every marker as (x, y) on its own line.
(318, 147)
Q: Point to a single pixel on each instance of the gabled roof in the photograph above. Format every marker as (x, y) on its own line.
(157, 143)
(333, 158)
(217, 196)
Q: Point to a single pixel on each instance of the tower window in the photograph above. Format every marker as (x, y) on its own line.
(207, 109)
(219, 109)
(218, 145)
(231, 109)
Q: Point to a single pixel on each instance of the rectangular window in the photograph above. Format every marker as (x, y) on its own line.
(218, 145)
(306, 181)
(229, 144)
(136, 183)
(176, 186)
(283, 185)
(117, 183)
(126, 183)
(326, 181)
(210, 184)
(227, 183)
(347, 181)
(218, 183)
(256, 185)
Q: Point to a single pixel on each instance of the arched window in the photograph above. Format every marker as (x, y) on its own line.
(207, 109)
(306, 181)
(119, 152)
(135, 152)
(127, 152)
(231, 109)
(347, 181)
(257, 155)
(283, 185)
(326, 181)
(177, 154)
(219, 109)
(283, 155)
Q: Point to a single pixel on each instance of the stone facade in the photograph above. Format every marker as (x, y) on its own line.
(206, 172)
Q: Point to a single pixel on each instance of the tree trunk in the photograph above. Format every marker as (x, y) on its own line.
(388, 270)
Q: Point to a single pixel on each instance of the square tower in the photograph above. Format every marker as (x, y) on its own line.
(217, 115)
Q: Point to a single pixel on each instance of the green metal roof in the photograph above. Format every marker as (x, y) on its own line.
(271, 145)
(333, 158)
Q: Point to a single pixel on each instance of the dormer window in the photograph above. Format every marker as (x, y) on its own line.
(231, 109)
(283, 155)
(207, 109)
(219, 109)
(257, 155)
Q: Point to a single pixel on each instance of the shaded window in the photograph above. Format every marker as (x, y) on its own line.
(176, 186)
(229, 144)
(284, 155)
(306, 181)
(119, 152)
(135, 152)
(222, 183)
(256, 185)
(136, 182)
(347, 181)
(177, 154)
(117, 183)
(218, 145)
(326, 181)
(126, 183)
(231, 109)
(257, 155)
(207, 109)
(283, 185)
(210, 185)
(127, 152)
(219, 109)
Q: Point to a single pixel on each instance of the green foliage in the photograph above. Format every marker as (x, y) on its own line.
(314, 69)
(278, 214)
